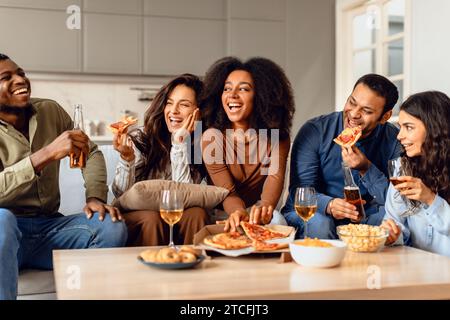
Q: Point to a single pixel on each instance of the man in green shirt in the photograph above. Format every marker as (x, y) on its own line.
(34, 135)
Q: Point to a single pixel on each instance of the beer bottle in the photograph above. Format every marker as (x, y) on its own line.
(80, 161)
(352, 193)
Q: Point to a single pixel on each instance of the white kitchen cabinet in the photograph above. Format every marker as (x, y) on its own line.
(39, 40)
(40, 4)
(174, 46)
(112, 44)
(258, 9)
(249, 38)
(133, 7)
(208, 9)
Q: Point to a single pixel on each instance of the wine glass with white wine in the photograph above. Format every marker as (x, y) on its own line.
(171, 209)
(306, 205)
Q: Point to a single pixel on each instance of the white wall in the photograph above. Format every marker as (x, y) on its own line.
(310, 66)
(430, 46)
(103, 98)
(310, 57)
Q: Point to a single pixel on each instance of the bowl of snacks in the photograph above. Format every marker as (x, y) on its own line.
(318, 253)
(363, 237)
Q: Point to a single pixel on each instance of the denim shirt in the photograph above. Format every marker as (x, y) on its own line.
(316, 161)
(428, 229)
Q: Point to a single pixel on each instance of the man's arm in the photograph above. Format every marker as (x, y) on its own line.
(305, 165)
(12, 177)
(94, 174)
(371, 177)
(25, 170)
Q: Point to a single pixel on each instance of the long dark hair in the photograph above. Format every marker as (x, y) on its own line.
(154, 141)
(273, 102)
(433, 109)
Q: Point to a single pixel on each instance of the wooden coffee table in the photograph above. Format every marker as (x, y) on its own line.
(401, 272)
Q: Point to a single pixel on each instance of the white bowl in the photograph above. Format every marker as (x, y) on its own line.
(319, 257)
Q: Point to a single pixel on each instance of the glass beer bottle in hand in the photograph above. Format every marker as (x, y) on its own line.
(351, 192)
(80, 160)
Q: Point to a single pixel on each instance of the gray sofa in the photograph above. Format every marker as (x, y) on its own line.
(39, 284)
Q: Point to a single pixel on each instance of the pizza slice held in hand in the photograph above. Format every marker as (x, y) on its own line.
(261, 233)
(349, 136)
(122, 125)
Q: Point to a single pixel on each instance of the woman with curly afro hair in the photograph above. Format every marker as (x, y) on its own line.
(420, 217)
(248, 110)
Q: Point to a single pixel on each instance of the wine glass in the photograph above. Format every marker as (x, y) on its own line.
(305, 205)
(171, 209)
(403, 170)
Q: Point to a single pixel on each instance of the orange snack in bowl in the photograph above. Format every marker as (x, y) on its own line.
(309, 242)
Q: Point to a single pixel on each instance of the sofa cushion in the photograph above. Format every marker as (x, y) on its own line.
(71, 183)
(33, 281)
(145, 195)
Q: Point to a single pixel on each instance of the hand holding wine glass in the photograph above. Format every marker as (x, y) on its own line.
(397, 176)
(305, 205)
(171, 209)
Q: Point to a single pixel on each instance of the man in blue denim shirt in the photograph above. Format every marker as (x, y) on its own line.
(317, 161)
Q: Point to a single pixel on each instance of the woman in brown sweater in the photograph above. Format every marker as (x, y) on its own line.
(248, 110)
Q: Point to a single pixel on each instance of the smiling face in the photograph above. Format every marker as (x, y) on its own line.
(365, 108)
(15, 87)
(237, 98)
(412, 134)
(179, 105)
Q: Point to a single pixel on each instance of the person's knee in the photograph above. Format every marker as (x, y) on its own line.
(322, 226)
(293, 220)
(111, 234)
(8, 227)
(195, 215)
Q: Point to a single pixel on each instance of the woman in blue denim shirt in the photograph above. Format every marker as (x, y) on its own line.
(425, 135)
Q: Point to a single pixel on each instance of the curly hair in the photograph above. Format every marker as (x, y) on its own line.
(433, 109)
(273, 102)
(154, 141)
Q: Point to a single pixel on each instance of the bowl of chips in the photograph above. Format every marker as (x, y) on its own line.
(318, 253)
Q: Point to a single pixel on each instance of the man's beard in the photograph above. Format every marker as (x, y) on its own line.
(26, 111)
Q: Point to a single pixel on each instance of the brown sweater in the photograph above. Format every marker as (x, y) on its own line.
(244, 178)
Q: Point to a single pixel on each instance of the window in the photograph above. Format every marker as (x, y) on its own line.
(372, 37)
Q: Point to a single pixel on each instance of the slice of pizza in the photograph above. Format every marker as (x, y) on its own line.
(228, 241)
(261, 233)
(348, 136)
(122, 125)
(264, 246)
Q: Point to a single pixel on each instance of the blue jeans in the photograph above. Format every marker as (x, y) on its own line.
(324, 226)
(28, 242)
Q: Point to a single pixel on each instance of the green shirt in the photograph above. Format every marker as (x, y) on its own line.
(22, 190)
